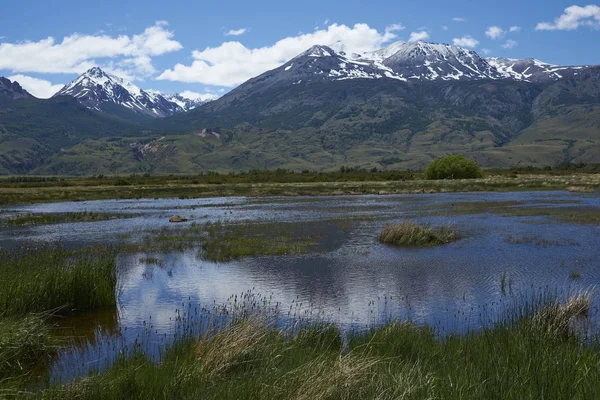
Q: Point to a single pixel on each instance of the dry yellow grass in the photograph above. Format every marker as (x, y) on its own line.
(560, 319)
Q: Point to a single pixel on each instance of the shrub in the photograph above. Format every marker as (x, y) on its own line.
(453, 167)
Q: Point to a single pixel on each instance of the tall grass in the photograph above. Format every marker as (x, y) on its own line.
(39, 280)
(24, 343)
(528, 356)
(412, 234)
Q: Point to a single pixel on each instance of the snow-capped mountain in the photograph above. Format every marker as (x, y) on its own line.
(412, 61)
(532, 70)
(186, 103)
(98, 90)
(13, 90)
(432, 61)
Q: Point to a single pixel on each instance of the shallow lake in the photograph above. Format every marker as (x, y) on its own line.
(350, 279)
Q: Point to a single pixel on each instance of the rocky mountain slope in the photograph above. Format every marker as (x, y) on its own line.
(13, 90)
(395, 108)
(101, 91)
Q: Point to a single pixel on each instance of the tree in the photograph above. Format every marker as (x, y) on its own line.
(453, 167)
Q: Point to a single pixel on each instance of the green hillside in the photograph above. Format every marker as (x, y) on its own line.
(361, 123)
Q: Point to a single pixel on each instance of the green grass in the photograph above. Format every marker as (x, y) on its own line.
(19, 190)
(229, 242)
(39, 280)
(25, 343)
(537, 355)
(42, 219)
(412, 234)
(575, 215)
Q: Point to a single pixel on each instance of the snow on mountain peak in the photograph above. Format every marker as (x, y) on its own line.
(95, 89)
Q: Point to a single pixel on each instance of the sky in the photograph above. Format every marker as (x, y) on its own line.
(204, 49)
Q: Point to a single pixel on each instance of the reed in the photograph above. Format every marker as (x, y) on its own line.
(528, 355)
(412, 234)
(53, 278)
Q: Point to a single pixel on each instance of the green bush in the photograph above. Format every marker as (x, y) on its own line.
(453, 167)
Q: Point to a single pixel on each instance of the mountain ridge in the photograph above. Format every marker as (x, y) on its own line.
(95, 89)
(325, 108)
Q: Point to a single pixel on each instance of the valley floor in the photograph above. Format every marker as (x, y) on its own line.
(39, 190)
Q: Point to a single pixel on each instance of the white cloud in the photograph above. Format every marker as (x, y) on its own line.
(418, 36)
(459, 19)
(394, 28)
(466, 41)
(510, 44)
(514, 29)
(77, 53)
(494, 32)
(188, 94)
(486, 51)
(572, 18)
(445, 27)
(235, 32)
(40, 88)
(232, 63)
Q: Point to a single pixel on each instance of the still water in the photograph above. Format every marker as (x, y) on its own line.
(350, 279)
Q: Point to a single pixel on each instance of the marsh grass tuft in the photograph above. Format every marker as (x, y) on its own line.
(25, 343)
(53, 278)
(558, 319)
(412, 234)
(537, 352)
(229, 242)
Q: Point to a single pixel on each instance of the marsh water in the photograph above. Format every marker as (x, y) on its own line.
(348, 278)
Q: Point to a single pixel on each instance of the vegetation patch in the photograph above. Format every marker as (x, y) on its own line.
(44, 219)
(39, 280)
(534, 352)
(575, 215)
(453, 167)
(228, 242)
(17, 190)
(25, 343)
(412, 234)
(540, 241)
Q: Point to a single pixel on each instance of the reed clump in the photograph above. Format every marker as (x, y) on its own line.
(409, 233)
(25, 343)
(532, 354)
(54, 278)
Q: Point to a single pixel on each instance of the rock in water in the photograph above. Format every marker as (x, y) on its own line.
(177, 218)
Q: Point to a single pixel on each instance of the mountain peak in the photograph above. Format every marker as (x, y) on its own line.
(97, 89)
(319, 51)
(12, 89)
(95, 72)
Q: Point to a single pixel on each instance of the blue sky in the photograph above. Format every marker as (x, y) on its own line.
(210, 47)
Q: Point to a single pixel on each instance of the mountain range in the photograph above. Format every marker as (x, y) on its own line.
(101, 91)
(396, 107)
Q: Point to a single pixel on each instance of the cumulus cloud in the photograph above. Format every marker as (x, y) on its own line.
(466, 41)
(77, 53)
(235, 32)
(445, 27)
(417, 36)
(514, 29)
(40, 88)
(572, 18)
(232, 63)
(459, 19)
(494, 32)
(510, 44)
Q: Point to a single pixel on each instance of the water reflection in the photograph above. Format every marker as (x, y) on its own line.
(351, 279)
